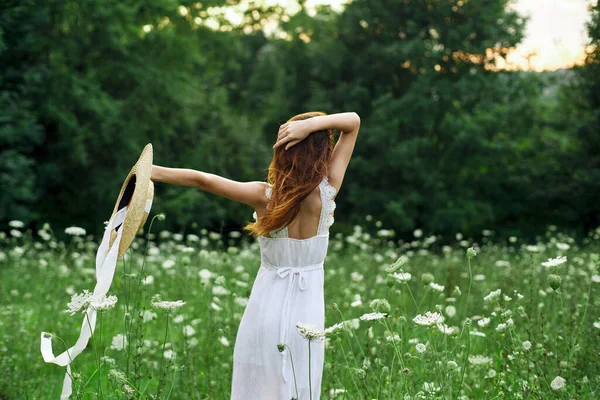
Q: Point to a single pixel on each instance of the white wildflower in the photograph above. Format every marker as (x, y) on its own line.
(224, 341)
(477, 333)
(430, 387)
(421, 348)
(554, 262)
(430, 318)
(334, 327)
(169, 354)
(493, 295)
(401, 276)
(79, 302)
(104, 302)
(178, 319)
(119, 342)
(188, 330)
(219, 291)
(356, 276)
(148, 316)
(310, 332)
(168, 305)
(558, 383)
(372, 316)
(16, 224)
(447, 330)
(527, 345)
(128, 389)
(75, 231)
(436, 287)
(450, 311)
(479, 359)
(357, 301)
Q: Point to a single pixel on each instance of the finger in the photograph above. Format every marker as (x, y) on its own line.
(292, 143)
(280, 142)
(282, 131)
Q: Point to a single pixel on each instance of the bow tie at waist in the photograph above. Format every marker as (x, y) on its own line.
(289, 272)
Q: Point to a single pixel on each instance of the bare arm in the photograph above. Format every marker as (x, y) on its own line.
(251, 193)
(345, 122)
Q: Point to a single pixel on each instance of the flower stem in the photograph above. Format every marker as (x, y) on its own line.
(293, 370)
(309, 374)
(162, 356)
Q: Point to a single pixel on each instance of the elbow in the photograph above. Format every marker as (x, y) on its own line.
(356, 119)
(200, 180)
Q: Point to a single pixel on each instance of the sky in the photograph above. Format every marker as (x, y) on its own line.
(555, 32)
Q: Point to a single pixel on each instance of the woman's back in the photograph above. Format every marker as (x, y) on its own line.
(314, 217)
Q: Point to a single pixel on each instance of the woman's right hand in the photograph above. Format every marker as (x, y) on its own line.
(292, 133)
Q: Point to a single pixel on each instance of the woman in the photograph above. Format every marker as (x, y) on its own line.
(293, 213)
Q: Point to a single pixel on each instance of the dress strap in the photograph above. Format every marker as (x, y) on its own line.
(327, 193)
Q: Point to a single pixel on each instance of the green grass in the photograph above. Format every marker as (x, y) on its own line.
(377, 359)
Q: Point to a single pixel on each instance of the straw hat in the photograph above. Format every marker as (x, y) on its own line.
(136, 189)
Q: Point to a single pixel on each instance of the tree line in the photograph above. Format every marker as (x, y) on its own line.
(448, 143)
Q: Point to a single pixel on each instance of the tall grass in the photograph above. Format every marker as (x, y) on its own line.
(490, 322)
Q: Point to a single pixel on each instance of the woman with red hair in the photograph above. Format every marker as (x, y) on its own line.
(293, 213)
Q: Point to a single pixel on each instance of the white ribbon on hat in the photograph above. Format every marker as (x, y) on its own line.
(106, 262)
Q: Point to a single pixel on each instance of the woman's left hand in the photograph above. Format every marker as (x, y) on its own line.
(292, 132)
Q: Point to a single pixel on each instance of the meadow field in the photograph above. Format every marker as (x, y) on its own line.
(483, 319)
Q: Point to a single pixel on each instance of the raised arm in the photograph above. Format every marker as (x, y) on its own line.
(348, 123)
(251, 193)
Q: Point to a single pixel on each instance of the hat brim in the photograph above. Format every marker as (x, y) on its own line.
(136, 189)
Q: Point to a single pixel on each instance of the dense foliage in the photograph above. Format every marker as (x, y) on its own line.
(447, 144)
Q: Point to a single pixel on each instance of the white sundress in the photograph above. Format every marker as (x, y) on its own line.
(288, 289)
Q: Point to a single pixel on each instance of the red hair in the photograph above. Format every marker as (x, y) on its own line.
(293, 175)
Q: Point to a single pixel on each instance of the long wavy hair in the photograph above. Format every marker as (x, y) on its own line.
(293, 175)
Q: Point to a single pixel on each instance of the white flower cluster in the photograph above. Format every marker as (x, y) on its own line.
(80, 302)
(75, 231)
(430, 318)
(15, 223)
(436, 287)
(401, 276)
(479, 359)
(493, 295)
(311, 332)
(558, 383)
(554, 262)
(168, 305)
(372, 316)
